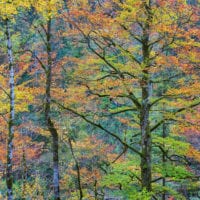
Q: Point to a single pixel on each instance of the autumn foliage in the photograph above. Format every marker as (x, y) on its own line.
(99, 99)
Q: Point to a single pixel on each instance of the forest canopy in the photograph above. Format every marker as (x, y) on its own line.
(99, 100)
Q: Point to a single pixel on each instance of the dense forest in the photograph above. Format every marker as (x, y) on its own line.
(100, 99)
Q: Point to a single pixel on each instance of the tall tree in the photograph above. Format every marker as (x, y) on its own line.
(7, 10)
(136, 43)
(9, 177)
(50, 124)
(47, 10)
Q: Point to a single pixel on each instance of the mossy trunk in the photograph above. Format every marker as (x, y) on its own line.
(146, 89)
(146, 142)
(49, 122)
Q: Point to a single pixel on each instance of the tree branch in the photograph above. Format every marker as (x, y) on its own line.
(98, 126)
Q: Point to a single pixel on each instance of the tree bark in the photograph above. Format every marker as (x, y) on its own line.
(24, 175)
(164, 159)
(77, 170)
(48, 119)
(9, 173)
(146, 140)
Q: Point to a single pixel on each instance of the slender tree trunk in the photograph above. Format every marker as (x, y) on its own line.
(164, 160)
(9, 173)
(95, 190)
(77, 170)
(48, 119)
(24, 175)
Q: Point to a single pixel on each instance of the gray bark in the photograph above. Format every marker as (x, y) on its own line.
(9, 173)
(146, 142)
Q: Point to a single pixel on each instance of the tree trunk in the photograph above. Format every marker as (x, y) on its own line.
(9, 175)
(146, 89)
(48, 119)
(164, 160)
(145, 141)
(77, 170)
(24, 175)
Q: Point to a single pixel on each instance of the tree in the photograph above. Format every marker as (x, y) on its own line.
(138, 45)
(92, 158)
(12, 114)
(7, 10)
(46, 10)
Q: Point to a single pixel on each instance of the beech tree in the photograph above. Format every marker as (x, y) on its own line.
(47, 10)
(137, 45)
